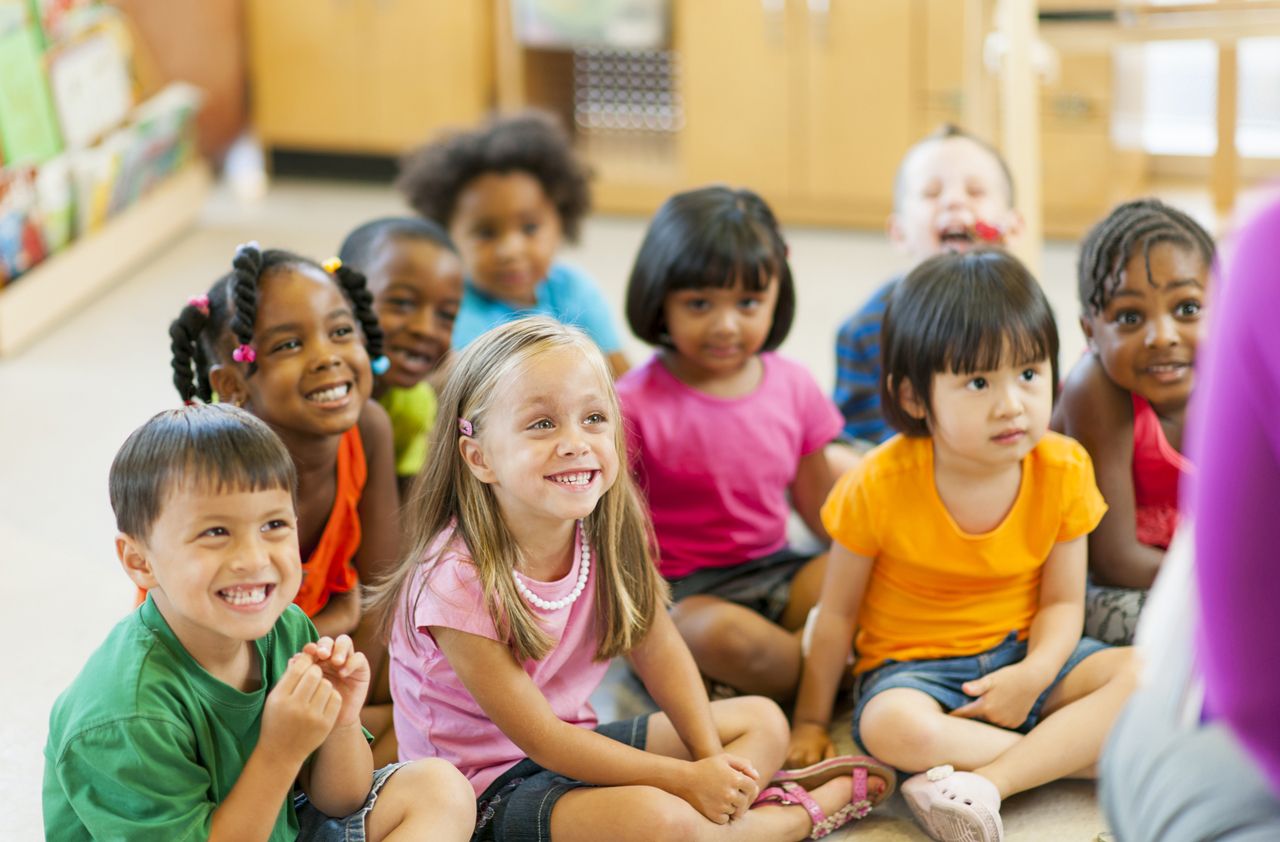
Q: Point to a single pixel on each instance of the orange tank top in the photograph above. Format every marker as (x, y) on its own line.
(329, 569)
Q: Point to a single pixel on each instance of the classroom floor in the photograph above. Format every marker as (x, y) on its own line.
(76, 394)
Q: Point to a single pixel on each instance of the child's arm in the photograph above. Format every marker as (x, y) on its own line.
(665, 665)
(380, 502)
(842, 591)
(809, 490)
(618, 363)
(298, 716)
(1005, 696)
(716, 786)
(338, 777)
(1099, 415)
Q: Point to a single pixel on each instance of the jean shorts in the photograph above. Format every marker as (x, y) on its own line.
(517, 806)
(762, 584)
(315, 826)
(942, 679)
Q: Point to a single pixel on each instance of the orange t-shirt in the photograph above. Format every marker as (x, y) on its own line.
(936, 591)
(329, 569)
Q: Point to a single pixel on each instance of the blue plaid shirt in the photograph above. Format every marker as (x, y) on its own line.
(857, 390)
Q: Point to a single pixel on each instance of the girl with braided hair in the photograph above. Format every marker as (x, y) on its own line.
(291, 341)
(1143, 275)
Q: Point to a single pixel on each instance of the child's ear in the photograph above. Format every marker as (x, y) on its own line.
(893, 228)
(1013, 226)
(133, 558)
(909, 400)
(473, 456)
(227, 381)
(1086, 327)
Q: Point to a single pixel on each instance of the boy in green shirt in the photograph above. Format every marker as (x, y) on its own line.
(204, 706)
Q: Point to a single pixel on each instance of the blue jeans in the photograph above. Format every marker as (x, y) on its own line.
(517, 806)
(942, 679)
(315, 826)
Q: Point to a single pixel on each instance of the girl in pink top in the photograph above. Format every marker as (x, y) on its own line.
(1143, 274)
(531, 568)
(727, 436)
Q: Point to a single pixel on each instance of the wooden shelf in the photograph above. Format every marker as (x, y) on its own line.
(71, 278)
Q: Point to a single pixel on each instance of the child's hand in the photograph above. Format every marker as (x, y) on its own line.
(1004, 698)
(809, 744)
(346, 669)
(300, 710)
(722, 787)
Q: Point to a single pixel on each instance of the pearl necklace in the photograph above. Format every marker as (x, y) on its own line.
(556, 604)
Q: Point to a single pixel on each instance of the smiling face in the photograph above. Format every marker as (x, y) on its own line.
(717, 331)
(222, 565)
(313, 375)
(507, 231)
(417, 290)
(1146, 335)
(549, 448)
(989, 418)
(947, 186)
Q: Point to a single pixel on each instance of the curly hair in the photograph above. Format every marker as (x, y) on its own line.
(432, 176)
(1110, 245)
(232, 305)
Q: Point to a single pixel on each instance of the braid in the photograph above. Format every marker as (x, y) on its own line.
(190, 366)
(246, 269)
(1111, 244)
(357, 291)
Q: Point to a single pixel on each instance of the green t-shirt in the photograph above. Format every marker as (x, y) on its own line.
(145, 744)
(413, 413)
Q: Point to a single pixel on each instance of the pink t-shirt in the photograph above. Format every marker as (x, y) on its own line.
(716, 471)
(435, 716)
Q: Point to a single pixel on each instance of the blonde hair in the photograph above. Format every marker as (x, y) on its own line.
(628, 588)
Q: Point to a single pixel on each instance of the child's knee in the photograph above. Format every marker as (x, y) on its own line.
(752, 715)
(432, 786)
(897, 733)
(718, 637)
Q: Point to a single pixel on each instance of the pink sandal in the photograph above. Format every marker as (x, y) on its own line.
(790, 792)
(816, 774)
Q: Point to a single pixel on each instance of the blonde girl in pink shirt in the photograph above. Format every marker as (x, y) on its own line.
(531, 568)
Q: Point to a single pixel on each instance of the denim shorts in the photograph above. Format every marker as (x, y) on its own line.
(942, 679)
(517, 806)
(762, 584)
(315, 826)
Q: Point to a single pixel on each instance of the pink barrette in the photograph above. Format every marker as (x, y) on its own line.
(200, 302)
(464, 427)
(987, 232)
(244, 354)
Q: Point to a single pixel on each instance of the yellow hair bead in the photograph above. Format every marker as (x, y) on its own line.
(332, 265)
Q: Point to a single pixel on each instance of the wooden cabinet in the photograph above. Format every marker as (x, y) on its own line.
(806, 102)
(367, 76)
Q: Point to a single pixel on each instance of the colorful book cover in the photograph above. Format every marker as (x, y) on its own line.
(28, 128)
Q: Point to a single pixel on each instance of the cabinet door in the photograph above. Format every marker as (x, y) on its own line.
(735, 79)
(307, 72)
(432, 62)
(858, 100)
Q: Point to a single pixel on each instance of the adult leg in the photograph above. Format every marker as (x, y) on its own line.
(736, 646)
(426, 799)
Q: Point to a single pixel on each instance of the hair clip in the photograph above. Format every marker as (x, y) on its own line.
(244, 354)
(200, 302)
(987, 232)
(332, 265)
(464, 427)
(380, 364)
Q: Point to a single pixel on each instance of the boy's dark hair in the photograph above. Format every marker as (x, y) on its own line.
(1110, 245)
(432, 176)
(359, 246)
(710, 237)
(960, 313)
(945, 132)
(216, 447)
(196, 335)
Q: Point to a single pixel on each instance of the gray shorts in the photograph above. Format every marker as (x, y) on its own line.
(315, 826)
(517, 806)
(762, 584)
